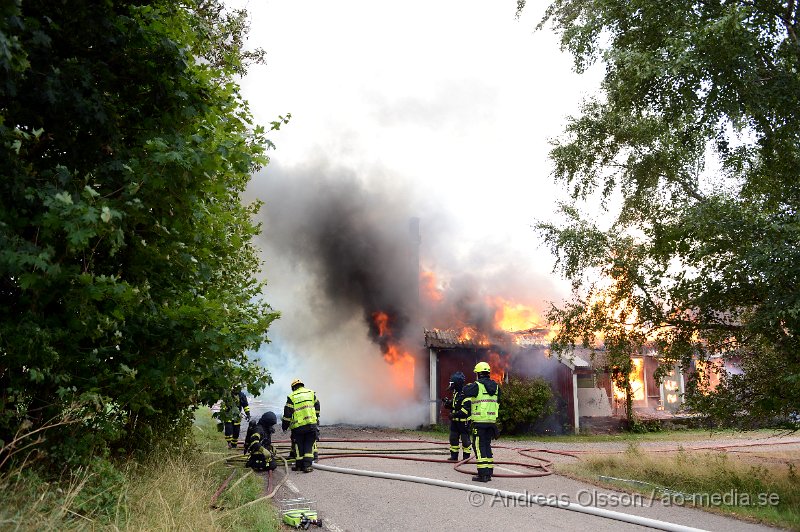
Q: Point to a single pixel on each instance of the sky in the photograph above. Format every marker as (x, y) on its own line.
(441, 110)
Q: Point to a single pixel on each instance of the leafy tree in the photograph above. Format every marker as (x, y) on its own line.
(692, 149)
(523, 402)
(127, 289)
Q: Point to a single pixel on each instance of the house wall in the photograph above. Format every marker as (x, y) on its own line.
(594, 402)
(564, 388)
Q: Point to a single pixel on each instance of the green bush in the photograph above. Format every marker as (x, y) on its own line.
(523, 402)
(643, 426)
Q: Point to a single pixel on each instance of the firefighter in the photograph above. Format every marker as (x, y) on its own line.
(459, 416)
(230, 413)
(481, 399)
(251, 427)
(301, 415)
(259, 443)
(293, 457)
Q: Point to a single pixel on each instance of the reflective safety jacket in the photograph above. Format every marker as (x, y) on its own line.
(302, 408)
(482, 400)
(484, 406)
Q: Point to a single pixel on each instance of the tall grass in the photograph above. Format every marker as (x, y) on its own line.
(705, 473)
(168, 491)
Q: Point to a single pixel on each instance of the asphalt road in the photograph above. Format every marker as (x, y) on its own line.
(354, 503)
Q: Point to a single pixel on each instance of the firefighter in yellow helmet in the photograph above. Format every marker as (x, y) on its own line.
(482, 399)
(301, 415)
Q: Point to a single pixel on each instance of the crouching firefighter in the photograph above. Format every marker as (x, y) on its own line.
(483, 400)
(301, 414)
(459, 418)
(259, 443)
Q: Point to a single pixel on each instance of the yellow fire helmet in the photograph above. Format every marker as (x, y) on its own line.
(296, 382)
(481, 367)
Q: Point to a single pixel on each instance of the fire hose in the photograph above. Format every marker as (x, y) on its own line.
(274, 491)
(542, 468)
(225, 483)
(543, 501)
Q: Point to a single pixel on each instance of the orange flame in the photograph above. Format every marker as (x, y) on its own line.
(401, 366)
(622, 312)
(470, 334)
(381, 320)
(400, 360)
(636, 378)
(429, 287)
(499, 365)
(510, 316)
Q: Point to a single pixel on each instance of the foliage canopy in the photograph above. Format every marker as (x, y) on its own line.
(127, 288)
(692, 146)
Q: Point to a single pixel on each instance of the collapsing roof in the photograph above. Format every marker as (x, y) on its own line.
(505, 341)
(451, 339)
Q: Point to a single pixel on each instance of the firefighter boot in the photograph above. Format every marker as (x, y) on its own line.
(481, 477)
(466, 456)
(453, 457)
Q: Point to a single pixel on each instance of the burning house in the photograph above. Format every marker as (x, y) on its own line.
(582, 385)
(523, 354)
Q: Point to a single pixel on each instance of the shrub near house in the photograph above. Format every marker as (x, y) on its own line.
(523, 402)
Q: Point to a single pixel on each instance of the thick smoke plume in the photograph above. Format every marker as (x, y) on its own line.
(342, 247)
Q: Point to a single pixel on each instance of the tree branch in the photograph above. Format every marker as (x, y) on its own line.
(788, 23)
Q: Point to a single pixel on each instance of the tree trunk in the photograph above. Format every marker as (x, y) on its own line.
(629, 402)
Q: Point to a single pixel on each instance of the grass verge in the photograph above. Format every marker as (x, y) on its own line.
(763, 488)
(169, 491)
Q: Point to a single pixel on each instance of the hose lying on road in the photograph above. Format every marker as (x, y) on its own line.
(542, 501)
(541, 469)
(274, 491)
